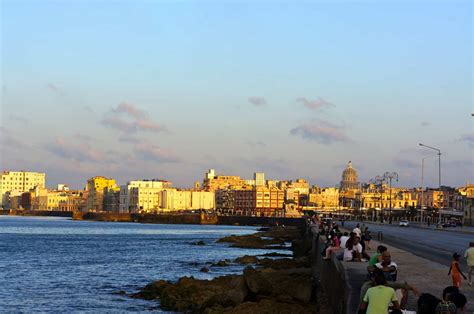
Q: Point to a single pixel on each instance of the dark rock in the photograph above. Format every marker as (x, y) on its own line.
(120, 292)
(199, 243)
(222, 263)
(246, 259)
(152, 290)
(204, 270)
(256, 282)
(270, 306)
(275, 254)
(252, 241)
(301, 247)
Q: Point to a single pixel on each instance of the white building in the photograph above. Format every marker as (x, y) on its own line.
(173, 200)
(17, 182)
(151, 186)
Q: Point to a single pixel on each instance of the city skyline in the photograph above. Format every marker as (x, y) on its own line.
(168, 90)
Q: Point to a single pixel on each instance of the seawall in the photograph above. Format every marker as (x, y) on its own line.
(42, 213)
(340, 282)
(201, 219)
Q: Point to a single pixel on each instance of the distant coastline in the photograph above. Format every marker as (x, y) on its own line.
(168, 218)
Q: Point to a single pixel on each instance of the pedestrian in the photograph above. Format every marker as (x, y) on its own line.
(377, 299)
(455, 271)
(469, 255)
(357, 230)
(367, 238)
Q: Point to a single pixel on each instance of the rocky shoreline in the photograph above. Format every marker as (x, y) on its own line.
(273, 283)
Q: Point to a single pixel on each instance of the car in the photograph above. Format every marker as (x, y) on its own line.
(404, 223)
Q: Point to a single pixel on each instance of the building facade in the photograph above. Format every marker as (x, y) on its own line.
(95, 187)
(13, 183)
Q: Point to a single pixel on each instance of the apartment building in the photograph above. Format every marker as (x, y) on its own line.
(14, 183)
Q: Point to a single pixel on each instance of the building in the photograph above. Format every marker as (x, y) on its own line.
(349, 179)
(325, 198)
(174, 200)
(225, 201)
(259, 178)
(465, 203)
(148, 186)
(16, 182)
(259, 201)
(95, 187)
(214, 182)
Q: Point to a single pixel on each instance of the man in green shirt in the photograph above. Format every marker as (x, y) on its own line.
(377, 257)
(377, 299)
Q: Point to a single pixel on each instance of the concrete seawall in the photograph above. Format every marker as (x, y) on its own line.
(339, 281)
(198, 219)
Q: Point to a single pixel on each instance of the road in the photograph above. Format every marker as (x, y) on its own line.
(435, 245)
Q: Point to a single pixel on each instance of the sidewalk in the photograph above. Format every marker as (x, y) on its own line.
(427, 276)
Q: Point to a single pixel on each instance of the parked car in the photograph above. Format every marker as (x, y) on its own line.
(404, 223)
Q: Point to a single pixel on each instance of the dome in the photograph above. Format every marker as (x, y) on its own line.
(349, 178)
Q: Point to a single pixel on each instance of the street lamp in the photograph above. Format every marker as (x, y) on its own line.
(378, 182)
(422, 184)
(439, 162)
(390, 176)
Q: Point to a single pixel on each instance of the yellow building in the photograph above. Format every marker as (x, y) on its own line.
(95, 187)
(214, 182)
(324, 198)
(398, 198)
(17, 182)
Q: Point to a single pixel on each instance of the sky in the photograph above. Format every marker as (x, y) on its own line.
(169, 89)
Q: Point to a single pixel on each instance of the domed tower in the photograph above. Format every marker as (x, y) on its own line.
(349, 178)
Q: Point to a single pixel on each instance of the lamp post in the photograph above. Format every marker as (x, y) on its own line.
(390, 176)
(439, 162)
(439, 169)
(378, 182)
(422, 184)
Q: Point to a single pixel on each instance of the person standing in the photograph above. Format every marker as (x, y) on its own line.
(455, 271)
(367, 238)
(469, 255)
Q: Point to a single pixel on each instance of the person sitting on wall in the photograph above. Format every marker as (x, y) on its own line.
(353, 250)
(402, 286)
(377, 299)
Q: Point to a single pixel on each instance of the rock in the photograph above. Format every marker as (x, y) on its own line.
(252, 241)
(199, 243)
(192, 295)
(301, 247)
(120, 292)
(270, 306)
(257, 283)
(222, 263)
(152, 290)
(275, 254)
(246, 259)
(204, 270)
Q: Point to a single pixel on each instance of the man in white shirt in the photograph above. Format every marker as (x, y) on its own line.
(344, 239)
(357, 230)
(388, 267)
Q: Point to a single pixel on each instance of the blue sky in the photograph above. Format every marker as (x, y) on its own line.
(158, 89)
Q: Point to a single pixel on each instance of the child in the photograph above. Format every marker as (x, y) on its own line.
(455, 271)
